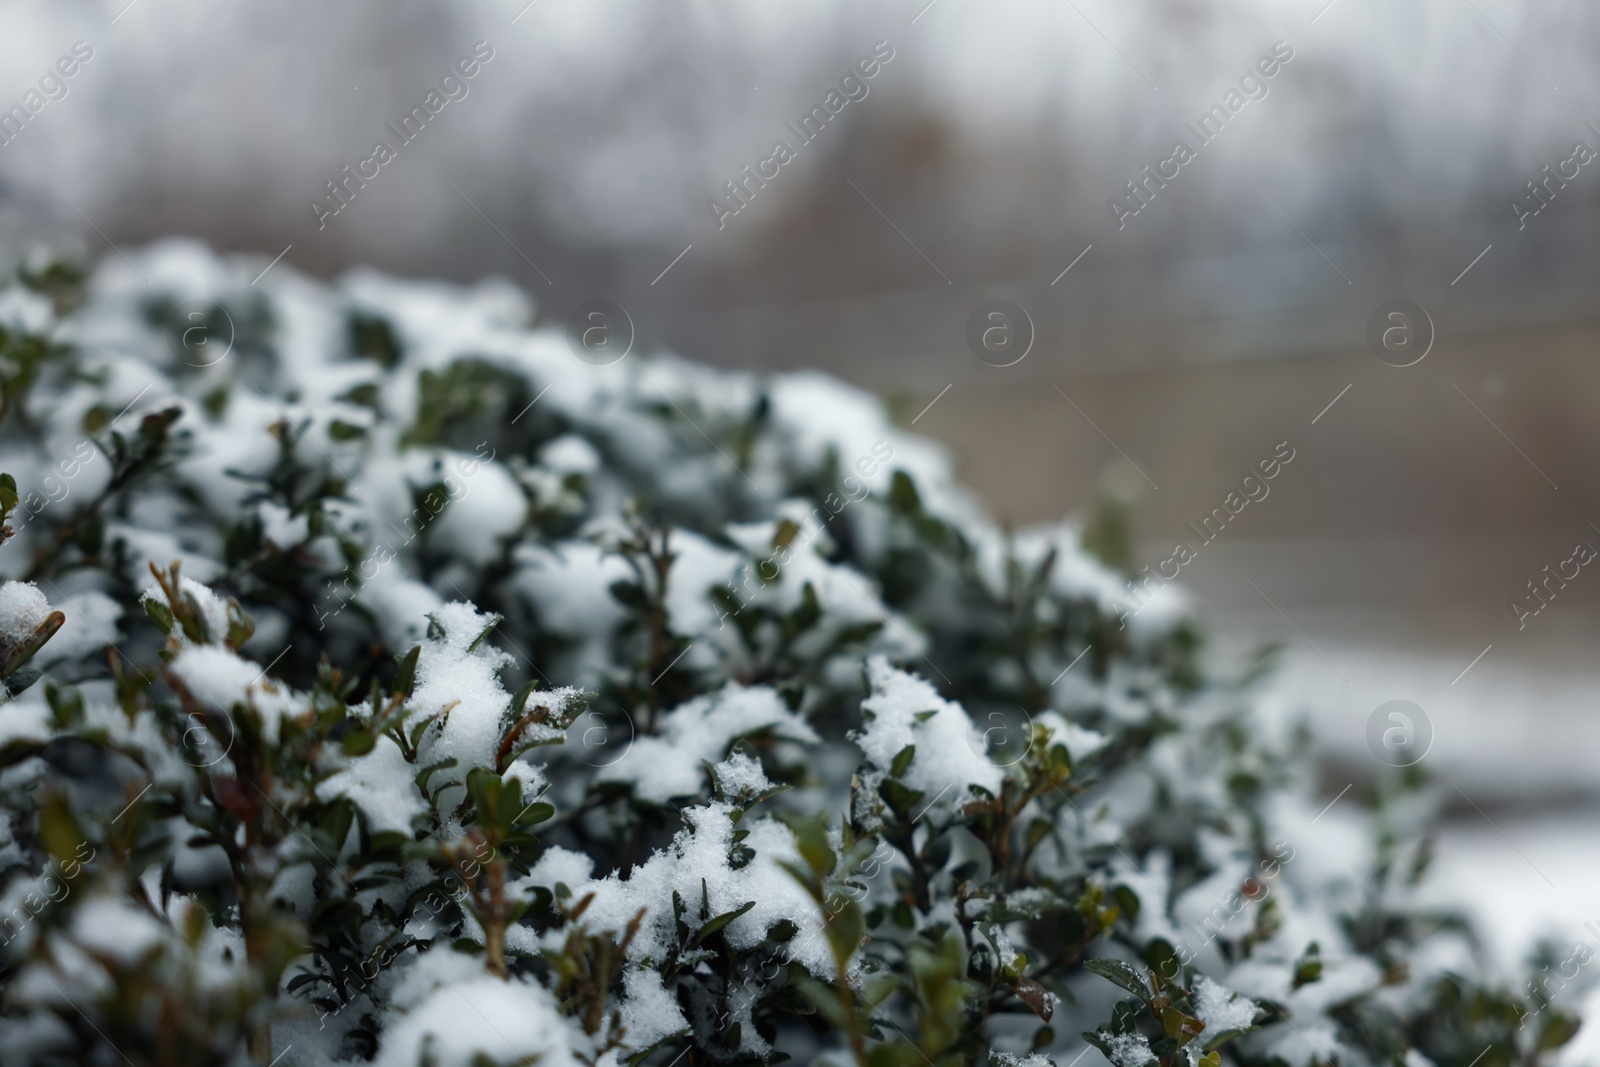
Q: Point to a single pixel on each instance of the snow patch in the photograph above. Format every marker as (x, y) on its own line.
(904, 709)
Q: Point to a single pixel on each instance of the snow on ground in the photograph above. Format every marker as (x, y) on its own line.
(1514, 738)
(1523, 878)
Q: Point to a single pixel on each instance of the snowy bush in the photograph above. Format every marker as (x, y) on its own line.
(383, 682)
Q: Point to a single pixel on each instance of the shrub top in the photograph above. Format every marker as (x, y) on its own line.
(386, 682)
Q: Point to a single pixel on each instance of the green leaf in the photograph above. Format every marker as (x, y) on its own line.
(335, 916)
(1216, 1041)
(846, 930)
(240, 626)
(59, 831)
(1558, 1030)
(1119, 973)
(856, 633)
(629, 594)
(372, 338)
(488, 797)
(1308, 968)
(716, 923)
(900, 798)
(806, 615)
(33, 642)
(357, 742)
(1162, 959)
(536, 812)
(336, 821)
(1098, 1040)
(679, 910)
(407, 676)
(521, 701)
(826, 1001)
(903, 498)
(66, 705)
(195, 627)
(902, 761)
(428, 772)
(1127, 900)
(494, 620)
(811, 840)
(783, 536)
(1179, 1026)
(805, 876)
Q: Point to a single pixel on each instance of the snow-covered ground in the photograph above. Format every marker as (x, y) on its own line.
(1513, 715)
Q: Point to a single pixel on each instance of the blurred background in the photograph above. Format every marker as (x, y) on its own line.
(1172, 349)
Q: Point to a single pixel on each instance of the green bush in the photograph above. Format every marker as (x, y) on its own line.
(384, 682)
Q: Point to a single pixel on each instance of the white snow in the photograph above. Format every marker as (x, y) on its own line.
(561, 866)
(569, 454)
(213, 609)
(381, 785)
(462, 686)
(701, 851)
(219, 679)
(24, 311)
(458, 684)
(91, 625)
(22, 608)
(650, 1012)
(697, 566)
(904, 709)
(1031, 1059)
(739, 775)
(116, 929)
(691, 735)
(1130, 1050)
(1081, 742)
(486, 506)
(447, 1006)
(567, 586)
(1221, 1009)
(400, 604)
(162, 548)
